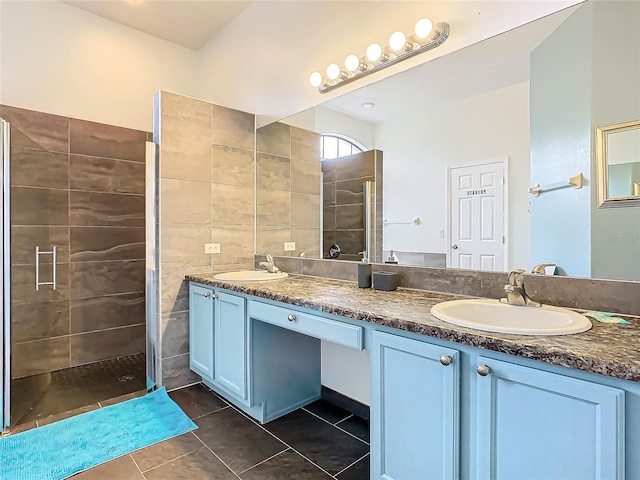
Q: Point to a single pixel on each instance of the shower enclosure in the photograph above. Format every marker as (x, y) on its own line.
(352, 206)
(73, 272)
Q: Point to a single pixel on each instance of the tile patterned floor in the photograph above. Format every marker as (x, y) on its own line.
(317, 442)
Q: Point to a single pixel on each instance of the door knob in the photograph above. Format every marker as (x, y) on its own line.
(455, 247)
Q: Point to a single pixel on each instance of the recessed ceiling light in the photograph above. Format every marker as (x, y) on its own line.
(368, 105)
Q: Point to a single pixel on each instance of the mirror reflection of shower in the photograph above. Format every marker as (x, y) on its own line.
(352, 206)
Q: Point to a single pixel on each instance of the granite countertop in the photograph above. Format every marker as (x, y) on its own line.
(607, 349)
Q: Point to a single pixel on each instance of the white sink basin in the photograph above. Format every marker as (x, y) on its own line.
(249, 276)
(494, 316)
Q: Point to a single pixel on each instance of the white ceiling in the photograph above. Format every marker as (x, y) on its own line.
(256, 56)
(189, 23)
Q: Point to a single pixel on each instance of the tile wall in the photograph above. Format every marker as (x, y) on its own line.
(343, 204)
(206, 195)
(584, 293)
(288, 190)
(78, 185)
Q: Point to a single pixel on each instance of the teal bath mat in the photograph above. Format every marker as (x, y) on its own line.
(61, 449)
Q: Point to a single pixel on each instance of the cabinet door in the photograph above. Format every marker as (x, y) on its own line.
(414, 409)
(540, 425)
(231, 344)
(201, 307)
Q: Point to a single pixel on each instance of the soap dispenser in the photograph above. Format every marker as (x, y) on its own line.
(392, 257)
(364, 272)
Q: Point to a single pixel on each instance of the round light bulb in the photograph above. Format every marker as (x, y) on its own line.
(352, 63)
(424, 26)
(333, 71)
(397, 41)
(374, 52)
(315, 79)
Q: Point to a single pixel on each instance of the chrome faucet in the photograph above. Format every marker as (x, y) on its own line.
(541, 268)
(270, 264)
(515, 290)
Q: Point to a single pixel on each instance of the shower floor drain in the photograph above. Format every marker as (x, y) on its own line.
(126, 378)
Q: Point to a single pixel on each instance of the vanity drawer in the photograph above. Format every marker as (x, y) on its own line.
(313, 325)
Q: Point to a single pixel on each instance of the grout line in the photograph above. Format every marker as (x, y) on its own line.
(214, 454)
(347, 468)
(266, 460)
(136, 464)
(173, 459)
(181, 386)
(324, 419)
(279, 439)
(335, 425)
(343, 420)
(354, 436)
(210, 413)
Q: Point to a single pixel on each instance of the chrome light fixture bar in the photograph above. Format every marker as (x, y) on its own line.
(378, 58)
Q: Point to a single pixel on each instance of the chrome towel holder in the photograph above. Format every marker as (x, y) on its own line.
(575, 181)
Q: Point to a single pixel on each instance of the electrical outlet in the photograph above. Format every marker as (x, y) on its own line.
(211, 248)
(289, 246)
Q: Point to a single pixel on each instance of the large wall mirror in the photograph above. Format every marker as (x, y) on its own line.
(522, 106)
(618, 157)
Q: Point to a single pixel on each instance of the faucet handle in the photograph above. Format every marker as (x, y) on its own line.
(269, 257)
(515, 277)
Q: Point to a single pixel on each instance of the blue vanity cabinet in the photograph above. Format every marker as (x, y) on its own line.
(532, 424)
(230, 345)
(218, 341)
(414, 409)
(201, 310)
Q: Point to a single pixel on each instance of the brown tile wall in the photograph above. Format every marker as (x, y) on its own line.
(584, 293)
(343, 204)
(288, 190)
(206, 190)
(80, 186)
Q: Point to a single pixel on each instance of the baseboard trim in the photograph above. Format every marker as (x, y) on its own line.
(349, 404)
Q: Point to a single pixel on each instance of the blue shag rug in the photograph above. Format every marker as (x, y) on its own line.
(61, 449)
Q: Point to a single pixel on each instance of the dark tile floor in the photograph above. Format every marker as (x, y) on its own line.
(77, 389)
(319, 441)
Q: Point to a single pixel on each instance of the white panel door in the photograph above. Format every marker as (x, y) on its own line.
(476, 217)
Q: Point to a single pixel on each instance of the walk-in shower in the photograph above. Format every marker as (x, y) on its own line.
(352, 206)
(73, 273)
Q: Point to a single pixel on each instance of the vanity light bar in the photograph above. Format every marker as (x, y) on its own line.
(378, 58)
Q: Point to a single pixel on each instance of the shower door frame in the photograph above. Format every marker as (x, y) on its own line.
(5, 277)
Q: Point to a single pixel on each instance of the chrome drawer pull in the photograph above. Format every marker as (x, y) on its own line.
(291, 317)
(446, 360)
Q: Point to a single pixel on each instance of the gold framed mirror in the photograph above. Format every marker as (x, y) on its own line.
(618, 159)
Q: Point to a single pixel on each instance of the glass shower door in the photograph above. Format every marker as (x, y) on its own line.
(5, 284)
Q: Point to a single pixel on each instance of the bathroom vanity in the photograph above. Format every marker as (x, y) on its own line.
(446, 401)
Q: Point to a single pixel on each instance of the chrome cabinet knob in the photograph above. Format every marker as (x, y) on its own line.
(483, 370)
(455, 247)
(207, 294)
(214, 295)
(291, 317)
(446, 360)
